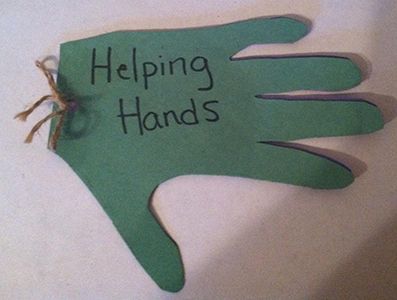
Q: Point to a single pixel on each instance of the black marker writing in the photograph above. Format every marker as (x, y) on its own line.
(134, 70)
(150, 121)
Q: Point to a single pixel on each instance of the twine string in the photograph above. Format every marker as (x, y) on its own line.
(55, 97)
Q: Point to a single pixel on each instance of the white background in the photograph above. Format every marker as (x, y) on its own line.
(240, 238)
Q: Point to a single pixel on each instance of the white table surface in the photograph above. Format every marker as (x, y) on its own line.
(240, 238)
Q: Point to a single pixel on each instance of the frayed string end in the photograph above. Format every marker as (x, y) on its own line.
(22, 116)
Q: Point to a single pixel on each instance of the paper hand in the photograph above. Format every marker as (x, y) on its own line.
(159, 104)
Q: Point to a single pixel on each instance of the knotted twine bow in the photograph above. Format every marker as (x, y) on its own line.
(62, 108)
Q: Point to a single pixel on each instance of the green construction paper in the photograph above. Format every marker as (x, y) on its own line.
(154, 105)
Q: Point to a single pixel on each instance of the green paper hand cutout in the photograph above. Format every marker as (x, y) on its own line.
(159, 104)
